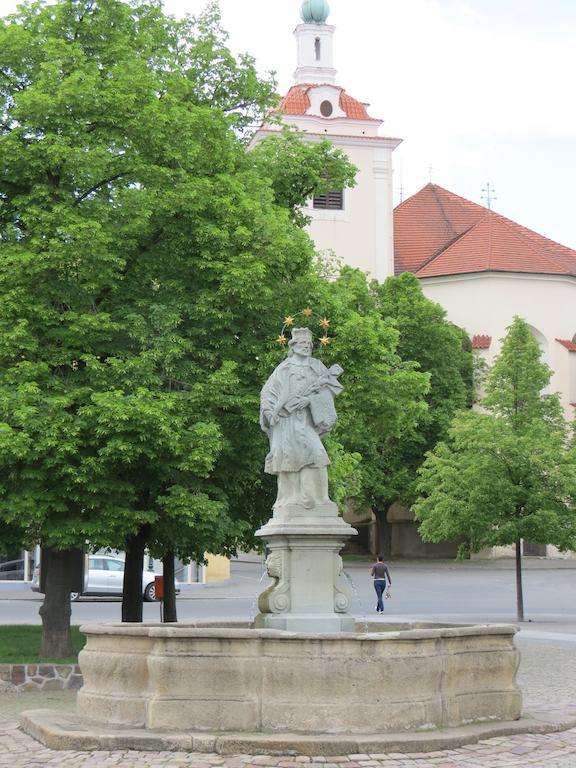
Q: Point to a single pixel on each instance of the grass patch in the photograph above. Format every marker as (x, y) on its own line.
(357, 558)
(20, 644)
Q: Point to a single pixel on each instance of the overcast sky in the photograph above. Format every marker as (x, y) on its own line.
(479, 90)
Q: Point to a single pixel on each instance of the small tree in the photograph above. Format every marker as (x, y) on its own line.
(508, 473)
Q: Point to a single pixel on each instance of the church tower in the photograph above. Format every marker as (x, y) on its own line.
(354, 224)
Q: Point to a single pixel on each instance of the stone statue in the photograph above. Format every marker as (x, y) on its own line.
(296, 409)
(309, 592)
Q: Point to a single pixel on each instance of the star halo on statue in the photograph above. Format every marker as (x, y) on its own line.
(308, 313)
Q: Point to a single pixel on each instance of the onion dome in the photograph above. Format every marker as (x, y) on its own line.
(314, 11)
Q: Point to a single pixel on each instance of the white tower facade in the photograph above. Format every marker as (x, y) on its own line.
(315, 53)
(355, 225)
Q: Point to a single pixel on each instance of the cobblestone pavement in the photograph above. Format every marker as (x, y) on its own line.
(547, 676)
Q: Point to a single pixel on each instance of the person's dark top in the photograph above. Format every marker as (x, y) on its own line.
(380, 571)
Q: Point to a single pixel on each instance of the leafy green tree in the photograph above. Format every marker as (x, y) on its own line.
(407, 371)
(383, 402)
(143, 258)
(298, 170)
(394, 438)
(507, 473)
(437, 345)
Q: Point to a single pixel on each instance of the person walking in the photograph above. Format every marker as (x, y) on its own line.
(381, 575)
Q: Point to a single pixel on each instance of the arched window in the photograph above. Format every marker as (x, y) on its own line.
(317, 49)
(542, 342)
(544, 350)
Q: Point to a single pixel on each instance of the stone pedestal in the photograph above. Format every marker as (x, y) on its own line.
(310, 592)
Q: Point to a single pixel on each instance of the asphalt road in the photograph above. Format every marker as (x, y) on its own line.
(478, 591)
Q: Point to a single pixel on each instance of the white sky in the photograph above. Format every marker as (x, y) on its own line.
(480, 90)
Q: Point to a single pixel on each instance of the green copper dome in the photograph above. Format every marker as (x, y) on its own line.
(314, 11)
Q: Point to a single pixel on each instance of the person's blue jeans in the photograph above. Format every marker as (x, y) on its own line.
(379, 586)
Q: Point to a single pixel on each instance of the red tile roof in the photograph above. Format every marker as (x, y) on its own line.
(439, 233)
(297, 102)
(481, 341)
(570, 345)
(355, 110)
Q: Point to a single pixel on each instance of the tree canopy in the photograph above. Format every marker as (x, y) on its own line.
(407, 371)
(143, 259)
(440, 349)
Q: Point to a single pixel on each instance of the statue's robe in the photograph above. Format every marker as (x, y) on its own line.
(295, 439)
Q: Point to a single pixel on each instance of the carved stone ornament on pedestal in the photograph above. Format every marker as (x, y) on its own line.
(306, 533)
(276, 599)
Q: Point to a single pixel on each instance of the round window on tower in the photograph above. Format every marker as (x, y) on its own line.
(326, 108)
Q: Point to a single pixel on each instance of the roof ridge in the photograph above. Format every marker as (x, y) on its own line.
(458, 198)
(447, 222)
(411, 198)
(524, 229)
(433, 187)
(445, 247)
(512, 226)
(489, 217)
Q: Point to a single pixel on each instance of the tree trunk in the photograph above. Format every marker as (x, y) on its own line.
(519, 594)
(132, 597)
(169, 589)
(55, 611)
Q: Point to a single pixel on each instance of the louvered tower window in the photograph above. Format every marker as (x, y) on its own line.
(332, 201)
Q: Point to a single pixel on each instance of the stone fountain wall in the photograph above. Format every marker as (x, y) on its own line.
(236, 678)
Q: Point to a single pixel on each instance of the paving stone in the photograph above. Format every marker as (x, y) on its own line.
(17, 750)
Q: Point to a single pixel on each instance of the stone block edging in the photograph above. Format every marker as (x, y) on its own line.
(67, 731)
(40, 677)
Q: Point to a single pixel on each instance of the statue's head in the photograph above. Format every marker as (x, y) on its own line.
(301, 342)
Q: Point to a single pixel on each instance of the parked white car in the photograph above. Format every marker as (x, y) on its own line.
(105, 576)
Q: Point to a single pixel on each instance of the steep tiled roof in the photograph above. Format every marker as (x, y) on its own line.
(297, 102)
(481, 341)
(356, 110)
(570, 345)
(438, 233)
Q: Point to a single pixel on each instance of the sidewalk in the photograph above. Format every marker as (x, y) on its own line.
(547, 676)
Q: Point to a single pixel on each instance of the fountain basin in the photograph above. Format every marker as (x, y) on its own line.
(229, 677)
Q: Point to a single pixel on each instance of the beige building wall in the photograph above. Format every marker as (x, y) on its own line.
(486, 304)
(217, 568)
(361, 234)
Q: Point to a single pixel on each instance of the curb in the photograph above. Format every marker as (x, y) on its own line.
(60, 731)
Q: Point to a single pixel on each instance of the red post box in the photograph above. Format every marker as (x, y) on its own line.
(159, 587)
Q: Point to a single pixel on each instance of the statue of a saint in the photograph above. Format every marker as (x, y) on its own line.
(296, 409)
